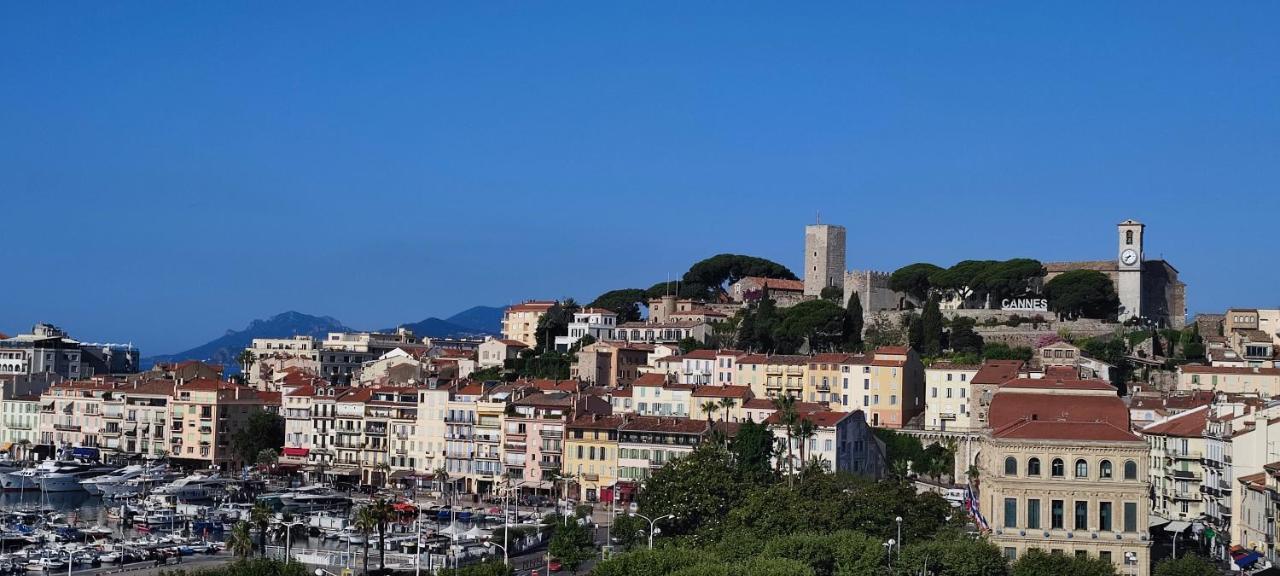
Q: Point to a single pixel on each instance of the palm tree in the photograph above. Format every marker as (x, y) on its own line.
(710, 407)
(366, 522)
(727, 404)
(260, 515)
(385, 469)
(245, 359)
(804, 431)
(383, 514)
(268, 457)
(241, 543)
(786, 407)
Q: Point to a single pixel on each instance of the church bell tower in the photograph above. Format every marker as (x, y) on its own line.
(1129, 259)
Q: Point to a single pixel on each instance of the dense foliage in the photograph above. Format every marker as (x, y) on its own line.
(974, 282)
(262, 431)
(625, 302)
(1188, 565)
(1082, 294)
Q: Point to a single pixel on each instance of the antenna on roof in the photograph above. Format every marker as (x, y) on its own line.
(817, 217)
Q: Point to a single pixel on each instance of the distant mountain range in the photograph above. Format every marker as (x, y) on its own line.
(475, 322)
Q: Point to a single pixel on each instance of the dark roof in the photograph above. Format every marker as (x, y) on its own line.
(665, 424)
(997, 372)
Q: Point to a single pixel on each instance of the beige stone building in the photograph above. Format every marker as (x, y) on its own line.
(948, 396)
(204, 416)
(1177, 447)
(1231, 380)
(520, 322)
(1060, 471)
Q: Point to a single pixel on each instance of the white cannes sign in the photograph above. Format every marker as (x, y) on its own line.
(1025, 304)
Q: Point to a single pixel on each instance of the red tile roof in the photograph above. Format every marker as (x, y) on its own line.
(1061, 372)
(665, 424)
(997, 371)
(701, 355)
(532, 306)
(1241, 370)
(1047, 383)
(833, 358)
(712, 391)
(1049, 416)
(596, 422)
(821, 419)
(514, 343)
(651, 379)
(777, 283)
(1189, 424)
(893, 350)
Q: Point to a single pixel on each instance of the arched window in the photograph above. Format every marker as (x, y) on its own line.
(1033, 467)
(1128, 236)
(1056, 468)
(1104, 469)
(1130, 470)
(1010, 466)
(1082, 469)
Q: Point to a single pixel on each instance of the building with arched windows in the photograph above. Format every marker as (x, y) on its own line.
(1060, 470)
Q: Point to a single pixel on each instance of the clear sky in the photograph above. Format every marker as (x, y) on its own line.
(172, 170)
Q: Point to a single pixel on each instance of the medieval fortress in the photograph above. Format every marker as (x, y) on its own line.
(1147, 288)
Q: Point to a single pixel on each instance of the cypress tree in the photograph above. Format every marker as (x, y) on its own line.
(853, 324)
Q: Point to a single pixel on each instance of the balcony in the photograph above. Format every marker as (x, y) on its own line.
(1184, 454)
(1186, 474)
(1184, 495)
(375, 430)
(947, 416)
(66, 427)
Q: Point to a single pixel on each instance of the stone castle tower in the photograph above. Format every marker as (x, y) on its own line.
(823, 258)
(1129, 258)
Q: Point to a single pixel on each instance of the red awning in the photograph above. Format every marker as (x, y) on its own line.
(302, 452)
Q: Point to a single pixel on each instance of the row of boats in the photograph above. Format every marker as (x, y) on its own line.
(79, 475)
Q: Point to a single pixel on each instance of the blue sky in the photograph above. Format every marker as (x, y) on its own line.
(171, 170)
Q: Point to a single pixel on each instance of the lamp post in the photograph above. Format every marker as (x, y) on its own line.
(506, 522)
(899, 521)
(889, 552)
(503, 548)
(288, 537)
(653, 525)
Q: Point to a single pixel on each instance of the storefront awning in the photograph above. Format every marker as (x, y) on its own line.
(299, 452)
(1246, 559)
(1177, 526)
(400, 474)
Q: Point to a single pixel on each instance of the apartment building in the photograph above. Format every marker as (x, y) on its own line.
(598, 323)
(20, 432)
(533, 446)
(520, 322)
(1229, 379)
(841, 442)
(1176, 449)
(729, 403)
(47, 349)
(646, 443)
(1062, 472)
(136, 419)
(669, 332)
(949, 388)
(272, 355)
(433, 406)
(204, 415)
(460, 451)
(495, 352)
(610, 363)
(773, 376)
(654, 395)
(591, 454)
(990, 376)
(71, 417)
(822, 381)
(892, 386)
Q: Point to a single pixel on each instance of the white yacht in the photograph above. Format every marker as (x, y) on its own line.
(94, 485)
(195, 487)
(29, 478)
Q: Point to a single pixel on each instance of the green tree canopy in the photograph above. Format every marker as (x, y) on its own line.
(1037, 562)
(1082, 294)
(752, 450)
(261, 431)
(625, 302)
(961, 280)
(572, 544)
(913, 279)
(717, 272)
(853, 324)
(931, 328)
(1009, 278)
(699, 488)
(883, 332)
(554, 322)
(953, 555)
(963, 339)
(1188, 565)
(820, 322)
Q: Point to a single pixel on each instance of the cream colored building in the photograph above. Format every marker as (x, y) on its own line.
(494, 352)
(1177, 446)
(1059, 470)
(520, 322)
(1232, 380)
(948, 392)
(204, 416)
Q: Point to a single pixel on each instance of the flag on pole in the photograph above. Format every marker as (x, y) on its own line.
(971, 504)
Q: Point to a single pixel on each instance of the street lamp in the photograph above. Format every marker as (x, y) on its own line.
(899, 521)
(653, 524)
(889, 552)
(288, 537)
(506, 521)
(501, 547)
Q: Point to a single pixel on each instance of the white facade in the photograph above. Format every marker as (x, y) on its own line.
(948, 396)
(596, 323)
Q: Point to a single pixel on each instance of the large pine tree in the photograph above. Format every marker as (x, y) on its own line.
(853, 324)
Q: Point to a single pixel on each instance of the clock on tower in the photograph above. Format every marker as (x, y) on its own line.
(1129, 269)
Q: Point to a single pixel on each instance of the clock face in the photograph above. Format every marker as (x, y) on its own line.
(1129, 257)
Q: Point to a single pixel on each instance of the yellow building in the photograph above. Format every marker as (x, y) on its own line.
(1060, 471)
(773, 376)
(591, 455)
(206, 413)
(520, 322)
(822, 380)
(729, 403)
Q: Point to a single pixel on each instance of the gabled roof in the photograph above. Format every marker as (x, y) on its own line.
(700, 355)
(712, 391)
(997, 371)
(821, 419)
(665, 424)
(1189, 424)
(893, 350)
(651, 379)
(1054, 416)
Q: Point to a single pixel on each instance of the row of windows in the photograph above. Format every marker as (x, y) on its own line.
(1057, 515)
(1057, 468)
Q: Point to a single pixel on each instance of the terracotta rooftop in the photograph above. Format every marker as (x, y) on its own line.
(1237, 370)
(651, 379)
(712, 391)
(777, 283)
(1046, 416)
(997, 371)
(821, 419)
(701, 355)
(893, 350)
(1054, 383)
(1189, 424)
(514, 343)
(1178, 402)
(665, 424)
(594, 422)
(532, 306)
